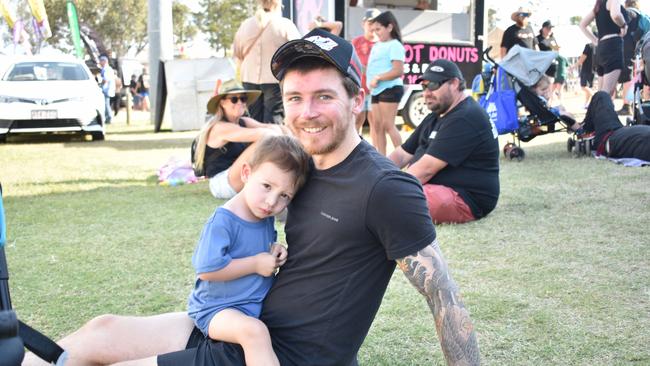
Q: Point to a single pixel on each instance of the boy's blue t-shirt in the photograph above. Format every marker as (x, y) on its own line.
(224, 238)
(381, 60)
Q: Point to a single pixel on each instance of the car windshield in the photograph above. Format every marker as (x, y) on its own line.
(46, 71)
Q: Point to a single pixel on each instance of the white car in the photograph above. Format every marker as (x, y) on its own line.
(50, 94)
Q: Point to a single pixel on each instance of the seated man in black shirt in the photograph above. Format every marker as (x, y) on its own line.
(454, 152)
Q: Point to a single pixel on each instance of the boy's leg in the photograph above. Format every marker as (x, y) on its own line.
(233, 326)
(109, 339)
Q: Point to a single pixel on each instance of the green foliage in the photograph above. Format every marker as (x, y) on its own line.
(184, 26)
(118, 24)
(575, 20)
(220, 20)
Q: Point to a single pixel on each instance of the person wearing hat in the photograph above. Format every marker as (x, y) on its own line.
(226, 141)
(546, 42)
(520, 33)
(356, 217)
(454, 152)
(362, 45)
(108, 86)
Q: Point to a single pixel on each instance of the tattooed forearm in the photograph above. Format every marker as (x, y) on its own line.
(427, 271)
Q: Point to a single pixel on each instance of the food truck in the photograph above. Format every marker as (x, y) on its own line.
(448, 29)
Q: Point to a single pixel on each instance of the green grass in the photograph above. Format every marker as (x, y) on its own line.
(558, 274)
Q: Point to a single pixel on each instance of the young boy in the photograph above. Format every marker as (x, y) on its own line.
(237, 254)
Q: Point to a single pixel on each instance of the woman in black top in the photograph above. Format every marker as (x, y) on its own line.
(609, 54)
(546, 42)
(227, 140)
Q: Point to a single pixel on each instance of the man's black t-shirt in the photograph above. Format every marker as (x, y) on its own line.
(345, 229)
(467, 140)
(525, 37)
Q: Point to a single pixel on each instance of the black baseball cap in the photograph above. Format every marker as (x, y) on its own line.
(320, 44)
(547, 24)
(441, 70)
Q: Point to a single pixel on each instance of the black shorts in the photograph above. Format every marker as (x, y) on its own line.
(587, 80)
(628, 55)
(390, 95)
(550, 72)
(201, 351)
(609, 55)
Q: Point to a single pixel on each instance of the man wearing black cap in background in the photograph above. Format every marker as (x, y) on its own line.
(454, 152)
(353, 221)
(546, 42)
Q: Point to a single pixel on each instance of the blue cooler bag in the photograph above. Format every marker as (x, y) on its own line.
(500, 103)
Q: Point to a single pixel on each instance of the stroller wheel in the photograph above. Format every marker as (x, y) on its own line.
(570, 143)
(516, 153)
(507, 148)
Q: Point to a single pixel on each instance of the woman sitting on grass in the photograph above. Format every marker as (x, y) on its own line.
(228, 139)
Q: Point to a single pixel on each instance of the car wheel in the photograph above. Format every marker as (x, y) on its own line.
(415, 110)
(97, 136)
(3, 138)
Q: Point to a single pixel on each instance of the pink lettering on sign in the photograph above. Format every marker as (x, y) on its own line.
(454, 53)
(413, 52)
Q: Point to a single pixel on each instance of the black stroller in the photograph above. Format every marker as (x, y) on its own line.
(524, 68)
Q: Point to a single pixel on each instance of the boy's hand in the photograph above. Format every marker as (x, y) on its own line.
(265, 264)
(280, 253)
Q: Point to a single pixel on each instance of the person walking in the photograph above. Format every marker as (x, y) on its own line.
(611, 27)
(384, 79)
(257, 38)
(108, 87)
(520, 33)
(362, 45)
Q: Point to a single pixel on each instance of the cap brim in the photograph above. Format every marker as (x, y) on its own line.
(214, 101)
(294, 50)
(431, 77)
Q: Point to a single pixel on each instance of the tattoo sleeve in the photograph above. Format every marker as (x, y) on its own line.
(427, 271)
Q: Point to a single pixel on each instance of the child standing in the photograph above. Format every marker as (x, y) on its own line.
(237, 254)
(384, 78)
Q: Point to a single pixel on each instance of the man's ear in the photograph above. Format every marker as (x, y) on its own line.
(359, 100)
(245, 172)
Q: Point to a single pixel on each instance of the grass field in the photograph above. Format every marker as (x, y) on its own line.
(558, 274)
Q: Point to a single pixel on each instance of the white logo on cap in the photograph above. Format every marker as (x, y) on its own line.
(437, 68)
(325, 43)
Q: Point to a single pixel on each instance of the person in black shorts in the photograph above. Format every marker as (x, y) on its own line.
(354, 220)
(520, 33)
(609, 54)
(586, 71)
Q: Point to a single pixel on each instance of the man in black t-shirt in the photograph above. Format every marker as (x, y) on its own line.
(520, 33)
(352, 222)
(454, 152)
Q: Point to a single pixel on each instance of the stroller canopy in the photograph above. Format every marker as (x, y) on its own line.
(527, 65)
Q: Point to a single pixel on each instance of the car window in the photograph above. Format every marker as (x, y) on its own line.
(47, 71)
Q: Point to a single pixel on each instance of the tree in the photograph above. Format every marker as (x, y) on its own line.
(119, 24)
(575, 20)
(220, 19)
(184, 26)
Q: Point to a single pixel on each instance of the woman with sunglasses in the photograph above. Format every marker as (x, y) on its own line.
(612, 27)
(228, 139)
(384, 78)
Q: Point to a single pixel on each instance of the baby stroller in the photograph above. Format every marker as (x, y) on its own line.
(516, 73)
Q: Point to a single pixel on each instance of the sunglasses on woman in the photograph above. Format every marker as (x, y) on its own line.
(235, 99)
(434, 85)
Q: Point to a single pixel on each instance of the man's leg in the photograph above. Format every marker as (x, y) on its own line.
(107, 110)
(273, 109)
(446, 205)
(109, 339)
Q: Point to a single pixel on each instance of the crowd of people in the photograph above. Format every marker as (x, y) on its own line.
(315, 163)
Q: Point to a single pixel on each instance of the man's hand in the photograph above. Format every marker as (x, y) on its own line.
(427, 271)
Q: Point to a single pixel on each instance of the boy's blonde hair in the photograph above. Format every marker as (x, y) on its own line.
(286, 153)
